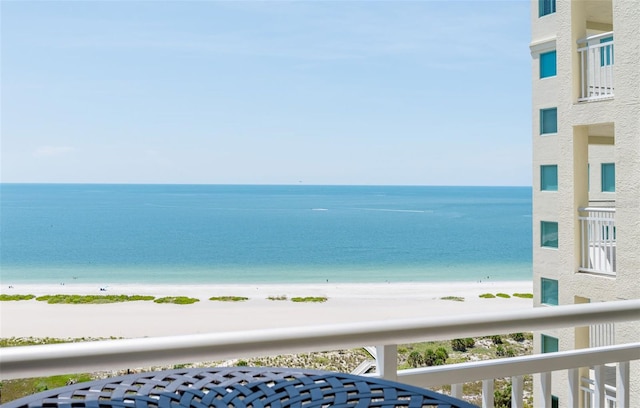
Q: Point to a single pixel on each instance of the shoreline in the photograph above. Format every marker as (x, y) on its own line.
(347, 303)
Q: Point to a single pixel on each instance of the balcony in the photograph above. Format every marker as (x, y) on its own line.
(597, 240)
(20, 362)
(596, 67)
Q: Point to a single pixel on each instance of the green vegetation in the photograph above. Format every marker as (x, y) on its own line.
(4, 297)
(229, 298)
(318, 299)
(34, 341)
(456, 298)
(487, 296)
(178, 300)
(503, 295)
(409, 355)
(462, 344)
(281, 297)
(93, 299)
(14, 389)
(523, 295)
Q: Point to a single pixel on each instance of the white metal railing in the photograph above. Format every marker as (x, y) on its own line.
(589, 394)
(596, 67)
(597, 240)
(18, 362)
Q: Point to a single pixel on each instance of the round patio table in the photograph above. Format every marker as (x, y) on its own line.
(238, 387)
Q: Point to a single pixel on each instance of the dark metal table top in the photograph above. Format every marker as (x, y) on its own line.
(238, 387)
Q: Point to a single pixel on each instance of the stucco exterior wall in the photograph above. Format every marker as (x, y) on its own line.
(589, 133)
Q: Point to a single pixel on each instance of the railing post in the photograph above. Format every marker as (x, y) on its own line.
(387, 361)
(598, 386)
(622, 385)
(456, 390)
(545, 389)
(517, 385)
(487, 393)
(573, 375)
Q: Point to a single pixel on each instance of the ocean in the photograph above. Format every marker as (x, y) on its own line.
(169, 234)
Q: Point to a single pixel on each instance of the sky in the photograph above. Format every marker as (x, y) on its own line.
(266, 92)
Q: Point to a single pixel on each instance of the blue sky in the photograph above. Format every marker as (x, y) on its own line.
(269, 92)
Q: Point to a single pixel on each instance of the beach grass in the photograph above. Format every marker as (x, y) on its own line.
(229, 298)
(91, 299)
(178, 300)
(281, 297)
(454, 298)
(5, 297)
(309, 299)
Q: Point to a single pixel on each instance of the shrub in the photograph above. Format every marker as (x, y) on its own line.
(469, 342)
(502, 397)
(415, 359)
(496, 340)
(437, 357)
(503, 295)
(519, 337)
(178, 300)
(455, 298)
(318, 299)
(84, 299)
(459, 345)
(523, 295)
(229, 298)
(281, 297)
(5, 297)
(487, 296)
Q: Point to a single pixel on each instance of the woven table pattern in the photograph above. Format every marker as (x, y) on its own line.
(238, 387)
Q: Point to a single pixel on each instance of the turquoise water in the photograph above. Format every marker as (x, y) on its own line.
(240, 234)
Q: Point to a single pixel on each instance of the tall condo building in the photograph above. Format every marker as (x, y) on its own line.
(586, 185)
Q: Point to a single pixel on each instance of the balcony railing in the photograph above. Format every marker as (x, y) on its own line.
(597, 240)
(590, 394)
(596, 67)
(17, 362)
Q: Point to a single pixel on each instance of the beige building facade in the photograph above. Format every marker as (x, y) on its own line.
(586, 180)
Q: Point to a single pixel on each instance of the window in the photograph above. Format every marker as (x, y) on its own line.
(555, 401)
(549, 289)
(549, 234)
(606, 52)
(549, 344)
(608, 177)
(548, 64)
(549, 178)
(546, 7)
(548, 121)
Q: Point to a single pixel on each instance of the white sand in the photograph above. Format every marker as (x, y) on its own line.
(347, 303)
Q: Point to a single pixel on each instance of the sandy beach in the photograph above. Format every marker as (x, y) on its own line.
(346, 303)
